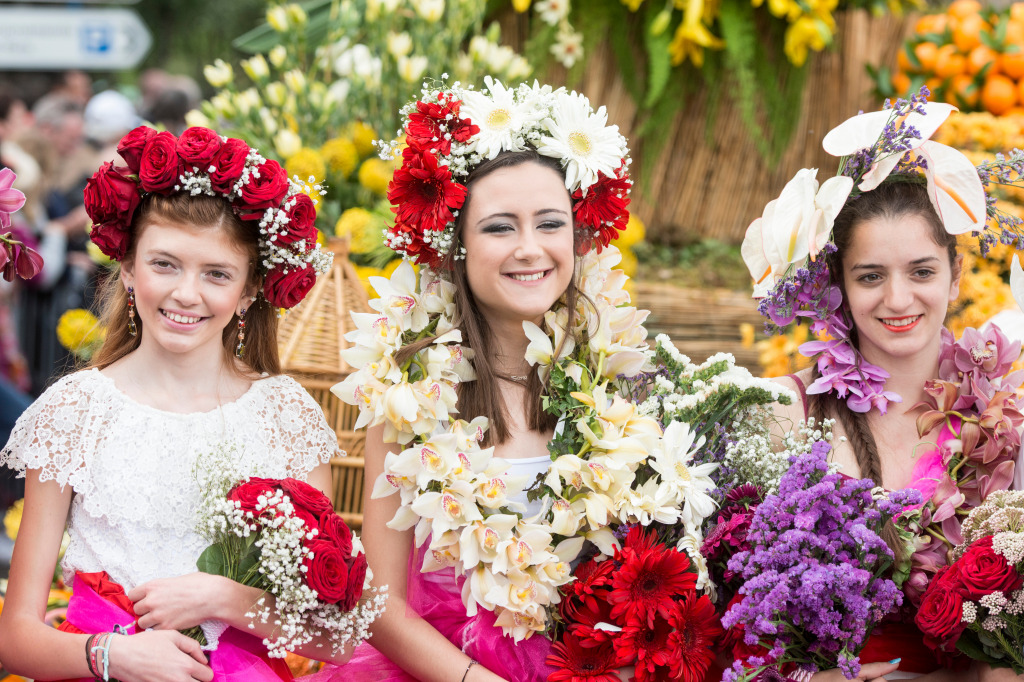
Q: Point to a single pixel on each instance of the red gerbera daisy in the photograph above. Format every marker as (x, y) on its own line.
(649, 647)
(698, 628)
(434, 125)
(408, 241)
(424, 193)
(583, 591)
(603, 208)
(648, 581)
(577, 663)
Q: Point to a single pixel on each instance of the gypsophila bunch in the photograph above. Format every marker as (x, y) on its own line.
(755, 459)
(815, 581)
(283, 536)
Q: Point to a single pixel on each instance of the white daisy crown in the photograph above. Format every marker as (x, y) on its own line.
(450, 130)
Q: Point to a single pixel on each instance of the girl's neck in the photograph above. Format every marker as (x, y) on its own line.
(509, 343)
(907, 376)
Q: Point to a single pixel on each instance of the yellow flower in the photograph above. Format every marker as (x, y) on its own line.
(633, 5)
(692, 36)
(522, 5)
(277, 55)
(628, 263)
(365, 272)
(295, 80)
(340, 155)
(96, 255)
(362, 137)
(218, 74)
(12, 519)
(747, 335)
(633, 234)
(375, 175)
(277, 17)
(80, 332)
(287, 143)
(296, 15)
(305, 163)
(362, 228)
(806, 32)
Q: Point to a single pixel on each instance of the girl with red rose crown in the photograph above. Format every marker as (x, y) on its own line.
(873, 263)
(499, 191)
(211, 239)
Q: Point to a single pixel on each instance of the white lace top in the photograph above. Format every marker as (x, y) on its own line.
(131, 466)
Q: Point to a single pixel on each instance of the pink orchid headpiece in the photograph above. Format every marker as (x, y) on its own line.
(781, 248)
(16, 259)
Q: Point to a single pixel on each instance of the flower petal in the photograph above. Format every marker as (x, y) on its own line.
(954, 188)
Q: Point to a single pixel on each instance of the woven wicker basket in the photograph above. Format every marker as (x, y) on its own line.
(310, 338)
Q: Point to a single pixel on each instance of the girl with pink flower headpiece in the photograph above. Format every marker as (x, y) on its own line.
(211, 240)
(870, 260)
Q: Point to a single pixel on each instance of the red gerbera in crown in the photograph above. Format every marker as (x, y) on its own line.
(203, 162)
(450, 131)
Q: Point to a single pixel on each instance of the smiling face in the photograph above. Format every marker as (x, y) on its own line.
(518, 235)
(898, 285)
(189, 284)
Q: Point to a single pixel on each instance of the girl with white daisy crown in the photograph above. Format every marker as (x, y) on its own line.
(211, 240)
(499, 194)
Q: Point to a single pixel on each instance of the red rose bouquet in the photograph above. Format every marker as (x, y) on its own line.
(639, 608)
(282, 536)
(976, 605)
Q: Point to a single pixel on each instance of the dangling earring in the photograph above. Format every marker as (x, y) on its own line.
(132, 329)
(240, 349)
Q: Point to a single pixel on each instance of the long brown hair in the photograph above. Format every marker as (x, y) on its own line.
(893, 199)
(205, 213)
(482, 397)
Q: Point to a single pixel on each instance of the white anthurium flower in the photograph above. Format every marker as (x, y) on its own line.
(954, 188)
(500, 118)
(863, 130)
(582, 139)
(518, 625)
(794, 226)
(1017, 282)
(481, 540)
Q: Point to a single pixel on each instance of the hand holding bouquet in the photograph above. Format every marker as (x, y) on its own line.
(816, 577)
(282, 536)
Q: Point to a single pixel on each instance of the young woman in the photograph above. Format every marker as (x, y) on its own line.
(189, 364)
(509, 256)
(881, 289)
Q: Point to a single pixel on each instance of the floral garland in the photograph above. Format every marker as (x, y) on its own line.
(202, 162)
(457, 494)
(449, 131)
(783, 248)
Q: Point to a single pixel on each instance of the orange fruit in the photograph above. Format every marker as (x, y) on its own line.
(931, 23)
(980, 57)
(903, 61)
(999, 94)
(959, 9)
(926, 53)
(1017, 11)
(1020, 97)
(967, 33)
(1014, 111)
(948, 62)
(1012, 64)
(963, 92)
(900, 83)
(1014, 34)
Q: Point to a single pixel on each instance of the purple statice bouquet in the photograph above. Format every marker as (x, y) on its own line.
(816, 579)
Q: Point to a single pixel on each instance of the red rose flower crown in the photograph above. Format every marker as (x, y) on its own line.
(451, 130)
(203, 162)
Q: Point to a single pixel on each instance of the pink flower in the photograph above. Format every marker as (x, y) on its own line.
(10, 199)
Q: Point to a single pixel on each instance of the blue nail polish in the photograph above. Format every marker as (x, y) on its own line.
(895, 660)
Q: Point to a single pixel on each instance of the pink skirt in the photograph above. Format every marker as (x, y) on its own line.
(436, 597)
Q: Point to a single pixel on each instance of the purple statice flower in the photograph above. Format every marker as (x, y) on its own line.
(815, 576)
(807, 292)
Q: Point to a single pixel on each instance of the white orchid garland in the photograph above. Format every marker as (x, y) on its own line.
(457, 494)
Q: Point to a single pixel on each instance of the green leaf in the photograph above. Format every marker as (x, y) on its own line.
(263, 38)
(973, 648)
(214, 560)
(659, 61)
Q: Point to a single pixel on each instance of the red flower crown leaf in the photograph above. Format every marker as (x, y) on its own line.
(200, 161)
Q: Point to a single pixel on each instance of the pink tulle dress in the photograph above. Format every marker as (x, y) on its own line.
(436, 597)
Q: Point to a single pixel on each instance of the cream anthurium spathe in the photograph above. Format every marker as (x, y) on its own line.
(1017, 282)
(793, 227)
(954, 188)
(863, 131)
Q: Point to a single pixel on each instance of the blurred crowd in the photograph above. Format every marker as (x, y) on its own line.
(55, 131)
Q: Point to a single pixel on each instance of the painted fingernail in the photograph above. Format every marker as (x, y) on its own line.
(895, 660)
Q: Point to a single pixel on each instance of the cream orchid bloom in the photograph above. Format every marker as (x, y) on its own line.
(521, 625)
(793, 227)
(449, 509)
(398, 299)
(863, 130)
(433, 461)
(481, 541)
(564, 519)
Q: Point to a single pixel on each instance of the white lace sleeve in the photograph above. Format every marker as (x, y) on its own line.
(56, 435)
(303, 429)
